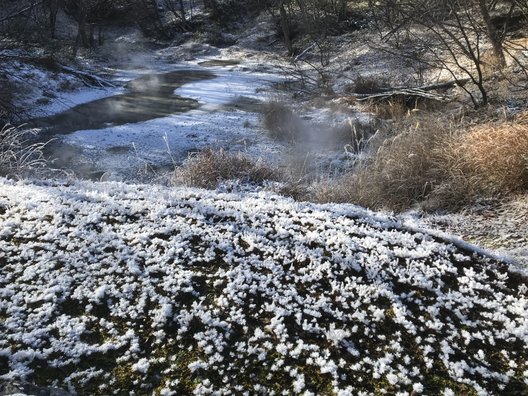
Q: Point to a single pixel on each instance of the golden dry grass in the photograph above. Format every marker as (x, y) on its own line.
(493, 157)
(399, 171)
(390, 109)
(437, 163)
(208, 168)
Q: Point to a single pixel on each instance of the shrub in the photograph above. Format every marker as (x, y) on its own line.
(399, 107)
(398, 170)
(369, 84)
(208, 168)
(437, 164)
(397, 177)
(18, 156)
(388, 109)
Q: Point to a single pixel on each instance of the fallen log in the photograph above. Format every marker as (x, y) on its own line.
(408, 93)
(415, 92)
(87, 78)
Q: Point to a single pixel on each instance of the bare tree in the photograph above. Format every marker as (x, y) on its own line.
(177, 9)
(53, 6)
(285, 26)
(149, 18)
(453, 33)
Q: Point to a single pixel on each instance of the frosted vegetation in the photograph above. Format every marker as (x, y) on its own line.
(121, 288)
(166, 289)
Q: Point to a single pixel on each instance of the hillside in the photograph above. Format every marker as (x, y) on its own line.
(114, 288)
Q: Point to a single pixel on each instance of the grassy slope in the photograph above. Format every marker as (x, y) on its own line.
(110, 287)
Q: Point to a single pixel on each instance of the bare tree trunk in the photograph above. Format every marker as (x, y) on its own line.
(100, 35)
(342, 10)
(211, 5)
(53, 10)
(178, 11)
(81, 33)
(92, 35)
(494, 36)
(82, 37)
(182, 12)
(149, 18)
(285, 28)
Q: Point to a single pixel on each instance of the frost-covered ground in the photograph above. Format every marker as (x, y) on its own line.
(114, 288)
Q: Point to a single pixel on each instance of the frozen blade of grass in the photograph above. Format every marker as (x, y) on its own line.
(169, 151)
(18, 156)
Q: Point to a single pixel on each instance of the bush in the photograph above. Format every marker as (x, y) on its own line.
(493, 158)
(437, 164)
(398, 171)
(208, 168)
(399, 107)
(369, 84)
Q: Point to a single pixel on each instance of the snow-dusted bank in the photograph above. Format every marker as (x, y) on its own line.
(112, 288)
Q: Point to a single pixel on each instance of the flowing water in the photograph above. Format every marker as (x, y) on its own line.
(156, 122)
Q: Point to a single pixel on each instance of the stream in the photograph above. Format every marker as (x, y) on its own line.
(157, 121)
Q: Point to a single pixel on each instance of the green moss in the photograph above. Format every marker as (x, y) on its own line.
(435, 384)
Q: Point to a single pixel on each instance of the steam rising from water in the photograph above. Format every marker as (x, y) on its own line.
(310, 140)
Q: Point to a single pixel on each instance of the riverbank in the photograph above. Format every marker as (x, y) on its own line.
(154, 117)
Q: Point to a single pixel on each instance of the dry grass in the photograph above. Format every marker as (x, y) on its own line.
(493, 158)
(399, 171)
(18, 156)
(438, 164)
(352, 134)
(428, 159)
(522, 118)
(369, 84)
(390, 109)
(208, 168)
(399, 107)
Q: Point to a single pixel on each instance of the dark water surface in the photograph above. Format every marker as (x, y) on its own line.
(147, 97)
